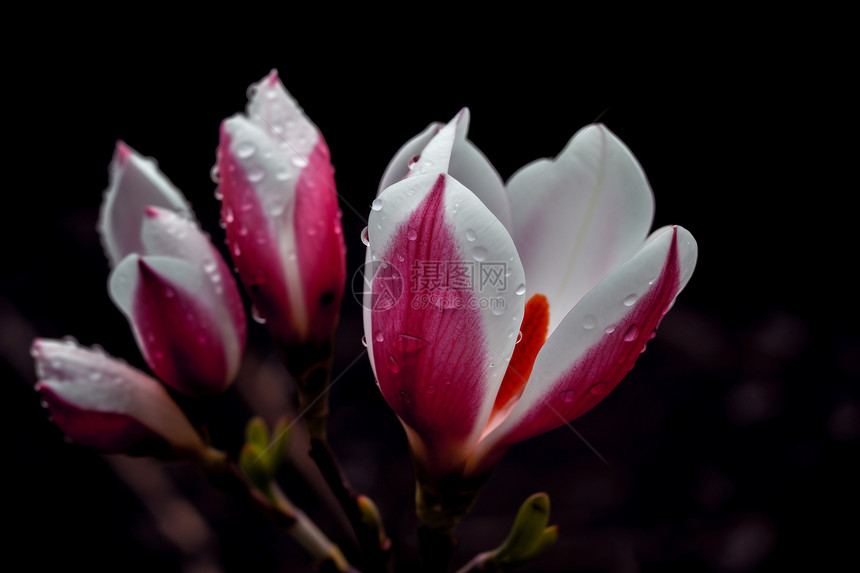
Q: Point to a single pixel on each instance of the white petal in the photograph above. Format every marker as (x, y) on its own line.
(579, 216)
(399, 165)
(135, 184)
(280, 118)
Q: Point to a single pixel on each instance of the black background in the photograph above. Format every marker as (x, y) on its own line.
(732, 446)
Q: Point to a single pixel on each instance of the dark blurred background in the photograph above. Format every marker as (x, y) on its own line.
(731, 447)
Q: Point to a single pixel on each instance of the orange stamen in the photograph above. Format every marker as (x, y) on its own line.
(534, 328)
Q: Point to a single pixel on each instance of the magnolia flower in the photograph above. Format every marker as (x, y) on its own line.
(169, 280)
(281, 215)
(107, 405)
(511, 309)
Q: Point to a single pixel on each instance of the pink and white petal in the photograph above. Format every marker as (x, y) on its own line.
(105, 403)
(166, 234)
(598, 341)
(439, 340)
(592, 203)
(403, 160)
(187, 336)
(258, 185)
(135, 184)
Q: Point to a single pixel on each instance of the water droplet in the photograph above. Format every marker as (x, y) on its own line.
(511, 332)
(412, 234)
(243, 230)
(378, 336)
(652, 280)
(567, 396)
(498, 310)
(394, 367)
(519, 336)
(632, 333)
(408, 343)
(364, 341)
(298, 161)
(470, 235)
(412, 161)
(365, 237)
(228, 214)
(218, 195)
(430, 389)
(405, 397)
(653, 334)
(237, 251)
(589, 321)
(609, 329)
(521, 290)
(479, 253)
(214, 175)
(599, 388)
(256, 175)
(245, 150)
(255, 314)
(376, 205)
(209, 266)
(630, 299)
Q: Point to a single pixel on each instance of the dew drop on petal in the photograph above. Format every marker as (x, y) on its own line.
(630, 299)
(378, 336)
(376, 205)
(632, 333)
(470, 235)
(609, 329)
(365, 237)
(652, 280)
(479, 253)
(521, 290)
(215, 176)
(255, 314)
(599, 389)
(393, 366)
(589, 321)
(511, 332)
(256, 175)
(519, 336)
(412, 234)
(498, 310)
(364, 341)
(567, 396)
(245, 150)
(408, 343)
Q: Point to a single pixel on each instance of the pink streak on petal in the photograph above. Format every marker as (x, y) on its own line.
(429, 359)
(181, 342)
(600, 370)
(107, 432)
(122, 151)
(250, 230)
(319, 243)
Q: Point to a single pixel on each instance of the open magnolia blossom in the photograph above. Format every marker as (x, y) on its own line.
(107, 405)
(498, 312)
(169, 280)
(279, 205)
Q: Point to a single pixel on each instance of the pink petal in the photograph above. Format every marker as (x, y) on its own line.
(598, 342)
(439, 341)
(106, 404)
